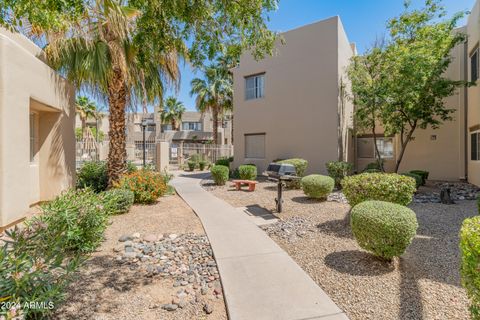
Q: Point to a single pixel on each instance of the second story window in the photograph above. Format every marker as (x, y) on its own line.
(254, 86)
(474, 65)
(191, 126)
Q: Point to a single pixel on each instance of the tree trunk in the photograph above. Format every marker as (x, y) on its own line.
(84, 126)
(404, 146)
(117, 99)
(215, 124)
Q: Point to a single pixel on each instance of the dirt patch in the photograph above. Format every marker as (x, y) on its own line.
(423, 284)
(109, 288)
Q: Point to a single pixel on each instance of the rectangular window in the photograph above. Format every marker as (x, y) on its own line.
(192, 126)
(33, 136)
(366, 148)
(255, 146)
(474, 66)
(254, 87)
(475, 146)
(167, 127)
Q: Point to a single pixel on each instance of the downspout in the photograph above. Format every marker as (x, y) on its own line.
(465, 105)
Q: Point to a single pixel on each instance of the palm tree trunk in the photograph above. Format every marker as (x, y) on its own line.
(117, 155)
(215, 125)
(84, 126)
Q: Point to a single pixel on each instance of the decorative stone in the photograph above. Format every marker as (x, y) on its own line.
(124, 238)
(150, 238)
(207, 308)
(170, 307)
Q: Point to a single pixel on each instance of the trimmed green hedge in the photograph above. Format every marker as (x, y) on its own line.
(223, 162)
(422, 173)
(117, 201)
(418, 179)
(247, 172)
(470, 250)
(338, 170)
(220, 174)
(299, 164)
(317, 186)
(383, 228)
(93, 175)
(389, 187)
(191, 165)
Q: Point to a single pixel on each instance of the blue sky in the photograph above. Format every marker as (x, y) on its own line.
(363, 20)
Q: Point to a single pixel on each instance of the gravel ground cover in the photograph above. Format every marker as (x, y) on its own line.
(156, 263)
(423, 284)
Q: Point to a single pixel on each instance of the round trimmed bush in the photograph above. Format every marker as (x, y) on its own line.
(470, 250)
(422, 173)
(389, 187)
(338, 170)
(299, 164)
(383, 228)
(220, 174)
(247, 172)
(317, 186)
(117, 201)
(93, 175)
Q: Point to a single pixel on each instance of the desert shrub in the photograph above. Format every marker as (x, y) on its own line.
(299, 164)
(196, 157)
(34, 271)
(191, 165)
(247, 172)
(131, 167)
(202, 164)
(220, 174)
(383, 228)
(389, 187)
(372, 171)
(317, 186)
(223, 162)
(77, 214)
(117, 201)
(418, 179)
(338, 170)
(93, 174)
(147, 186)
(422, 173)
(470, 250)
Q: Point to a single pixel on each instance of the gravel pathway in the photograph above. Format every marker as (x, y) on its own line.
(423, 284)
(138, 272)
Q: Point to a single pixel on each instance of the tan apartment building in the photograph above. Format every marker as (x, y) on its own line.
(289, 105)
(37, 117)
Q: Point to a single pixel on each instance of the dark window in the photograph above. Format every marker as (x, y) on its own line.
(475, 145)
(474, 65)
(254, 87)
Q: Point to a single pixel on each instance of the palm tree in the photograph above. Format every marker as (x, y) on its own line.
(85, 109)
(172, 112)
(100, 53)
(214, 93)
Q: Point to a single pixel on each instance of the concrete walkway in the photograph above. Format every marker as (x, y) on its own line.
(260, 280)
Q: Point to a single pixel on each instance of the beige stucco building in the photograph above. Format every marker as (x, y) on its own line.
(288, 105)
(37, 142)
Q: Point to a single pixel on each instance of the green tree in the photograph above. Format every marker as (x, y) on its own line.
(172, 112)
(417, 57)
(85, 108)
(367, 74)
(214, 93)
(128, 51)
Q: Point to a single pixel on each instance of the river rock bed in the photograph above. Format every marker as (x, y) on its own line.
(187, 259)
(458, 191)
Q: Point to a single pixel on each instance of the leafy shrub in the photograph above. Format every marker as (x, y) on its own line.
(147, 186)
(372, 171)
(35, 271)
(131, 167)
(338, 170)
(77, 214)
(478, 203)
(191, 165)
(299, 164)
(247, 172)
(383, 228)
(219, 174)
(422, 173)
(93, 174)
(317, 186)
(470, 250)
(195, 157)
(117, 201)
(389, 187)
(202, 164)
(374, 167)
(418, 179)
(223, 162)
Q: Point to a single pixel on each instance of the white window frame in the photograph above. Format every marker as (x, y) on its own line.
(382, 141)
(197, 126)
(257, 91)
(477, 132)
(33, 134)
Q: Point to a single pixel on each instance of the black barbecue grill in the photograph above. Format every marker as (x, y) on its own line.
(282, 173)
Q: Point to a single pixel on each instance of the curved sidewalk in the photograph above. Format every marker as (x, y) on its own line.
(259, 279)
